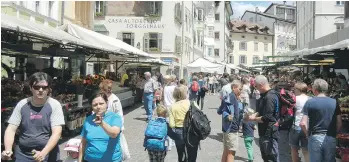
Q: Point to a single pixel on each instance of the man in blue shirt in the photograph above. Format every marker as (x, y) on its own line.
(230, 125)
(324, 117)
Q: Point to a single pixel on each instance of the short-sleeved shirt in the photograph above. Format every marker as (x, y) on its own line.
(322, 112)
(150, 86)
(35, 124)
(100, 147)
(248, 129)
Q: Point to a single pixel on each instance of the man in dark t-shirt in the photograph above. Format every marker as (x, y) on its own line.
(40, 119)
(323, 115)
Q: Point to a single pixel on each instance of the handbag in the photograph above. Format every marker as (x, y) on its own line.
(124, 147)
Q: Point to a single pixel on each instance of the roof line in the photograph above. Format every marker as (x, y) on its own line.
(277, 5)
(267, 15)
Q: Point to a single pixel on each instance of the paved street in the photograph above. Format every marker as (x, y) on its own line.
(211, 148)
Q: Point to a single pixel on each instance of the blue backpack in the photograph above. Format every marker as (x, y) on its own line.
(155, 135)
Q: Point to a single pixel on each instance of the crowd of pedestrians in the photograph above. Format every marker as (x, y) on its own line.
(167, 102)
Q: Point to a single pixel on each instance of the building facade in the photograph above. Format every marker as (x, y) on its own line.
(252, 43)
(316, 19)
(346, 14)
(174, 37)
(220, 31)
(280, 20)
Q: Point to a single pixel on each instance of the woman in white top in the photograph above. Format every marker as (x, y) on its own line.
(168, 99)
(245, 92)
(297, 138)
(211, 84)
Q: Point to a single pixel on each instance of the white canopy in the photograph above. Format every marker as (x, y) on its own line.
(102, 40)
(27, 27)
(232, 66)
(204, 65)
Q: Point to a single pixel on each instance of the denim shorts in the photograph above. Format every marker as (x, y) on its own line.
(297, 138)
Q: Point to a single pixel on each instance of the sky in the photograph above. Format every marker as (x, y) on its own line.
(239, 7)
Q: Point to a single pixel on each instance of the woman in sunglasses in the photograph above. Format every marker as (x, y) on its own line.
(40, 119)
(101, 133)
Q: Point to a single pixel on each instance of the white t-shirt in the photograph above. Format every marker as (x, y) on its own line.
(114, 105)
(168, 95)
(300, 101)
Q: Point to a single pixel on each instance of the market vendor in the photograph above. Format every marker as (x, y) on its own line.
(40, 119)
(124, 78)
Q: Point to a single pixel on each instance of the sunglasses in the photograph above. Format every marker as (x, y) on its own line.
(38, 87)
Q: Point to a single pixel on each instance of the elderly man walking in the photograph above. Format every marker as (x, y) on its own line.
(324, 117)
(267, 117)
(150, 87)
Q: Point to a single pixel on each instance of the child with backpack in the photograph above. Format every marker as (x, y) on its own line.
(248, 128)
(156, 139)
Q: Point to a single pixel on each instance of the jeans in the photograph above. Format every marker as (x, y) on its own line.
(248, 144)
(269, 149)
(322, 148)
(202, 98)
(185, 153)
(148, 104)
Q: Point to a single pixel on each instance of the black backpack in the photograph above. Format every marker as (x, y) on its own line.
(196, 126)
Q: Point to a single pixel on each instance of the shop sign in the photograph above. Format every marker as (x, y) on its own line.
(167, 60)
(137, 23)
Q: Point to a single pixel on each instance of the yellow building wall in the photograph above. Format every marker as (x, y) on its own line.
(250, 52)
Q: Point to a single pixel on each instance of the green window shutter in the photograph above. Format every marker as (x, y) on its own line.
(146, 42)
(119, 36)
(133, 39)
(160, 42)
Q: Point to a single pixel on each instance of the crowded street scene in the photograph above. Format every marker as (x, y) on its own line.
(175, 81)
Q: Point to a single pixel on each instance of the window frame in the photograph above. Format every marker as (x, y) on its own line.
(231, 59)
(210, 31)
(215, 17)
(254, 60)
(216, 32)
(240, 45)
(266, 47)
(131, 38)
(245, 59)
(209, 51)
(255, 47)
(216, 54)
(200, 15)
(99, 7)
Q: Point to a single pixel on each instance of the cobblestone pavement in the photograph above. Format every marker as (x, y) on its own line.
(211, 148)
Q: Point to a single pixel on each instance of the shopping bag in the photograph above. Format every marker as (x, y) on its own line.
(124, 148)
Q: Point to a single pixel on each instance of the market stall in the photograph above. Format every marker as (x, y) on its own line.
(343, 138)
(24, 41)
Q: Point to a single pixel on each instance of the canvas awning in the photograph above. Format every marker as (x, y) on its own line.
(101, 40)
(204, 65)
(22, 26)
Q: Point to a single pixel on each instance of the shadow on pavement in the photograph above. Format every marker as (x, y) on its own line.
(141, 119)
(213, 108)
(218, 137)
(131, 108)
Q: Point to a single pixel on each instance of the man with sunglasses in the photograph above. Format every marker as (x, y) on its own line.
(40, 120)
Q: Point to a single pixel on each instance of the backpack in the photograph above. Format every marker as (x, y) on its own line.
(196, 126)
(155, 135)
(287, 104)
(195, 86)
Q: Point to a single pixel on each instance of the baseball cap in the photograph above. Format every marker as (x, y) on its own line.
(73, 145)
